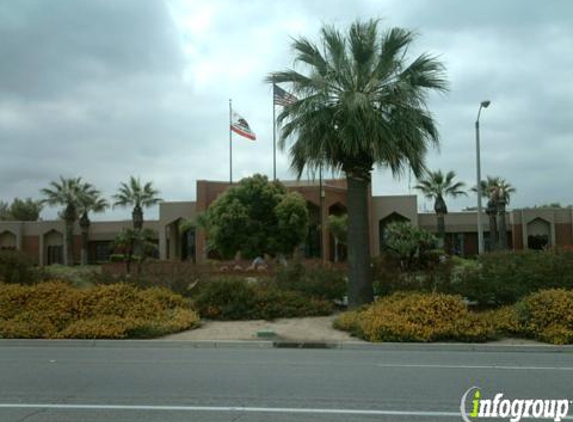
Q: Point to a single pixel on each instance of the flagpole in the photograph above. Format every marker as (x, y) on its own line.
(274, 135)
(230, 142)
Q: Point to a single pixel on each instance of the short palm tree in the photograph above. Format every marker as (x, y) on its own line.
(91, 201)
(437, 186)
(133, 193)
(338, 227)
(360, 104)
(67, 193)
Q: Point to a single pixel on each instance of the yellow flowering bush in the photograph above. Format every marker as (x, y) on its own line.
(548, 316)
(59, 310)
(505, 321)
(416, 317)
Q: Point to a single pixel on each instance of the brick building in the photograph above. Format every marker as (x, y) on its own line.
(526, 228)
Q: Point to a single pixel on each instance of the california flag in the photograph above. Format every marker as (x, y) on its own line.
(240, 126)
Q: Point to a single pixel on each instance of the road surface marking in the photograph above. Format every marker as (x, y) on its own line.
(241, 409)
(236, 409)
(500, 367)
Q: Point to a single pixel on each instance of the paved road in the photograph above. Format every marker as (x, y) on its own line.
(125, 383)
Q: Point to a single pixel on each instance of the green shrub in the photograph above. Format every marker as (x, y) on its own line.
(502, 278)
(417, 317)
(320, 282)
(413, 246)
(59, 310)
(17, 267)
(548, 316)
(225, 298)
(239, 299)
(272, 303)
(177, 278)
(392, 275)
(79, 276)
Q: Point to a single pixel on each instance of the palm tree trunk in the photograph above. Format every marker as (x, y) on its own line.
(69, 242)
(502, 229)
(359, 271)
(335, 249)
(441, 229)
(84, 252)
(137, 217)
(493, 231)
(85, 226)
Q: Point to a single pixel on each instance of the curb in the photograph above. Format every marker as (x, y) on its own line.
(258, 344)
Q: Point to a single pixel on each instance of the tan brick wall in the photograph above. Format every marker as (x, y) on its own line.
(563, 235)
(31, 246)
(517, 236)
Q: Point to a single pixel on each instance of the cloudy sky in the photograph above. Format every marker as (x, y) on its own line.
(105, 89)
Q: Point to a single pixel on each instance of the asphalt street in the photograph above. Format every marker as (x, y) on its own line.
(121, 382)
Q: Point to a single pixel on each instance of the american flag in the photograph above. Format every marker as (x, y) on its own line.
(281, 97)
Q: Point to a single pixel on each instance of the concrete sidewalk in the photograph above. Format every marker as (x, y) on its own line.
(311, 329)
(303, 333)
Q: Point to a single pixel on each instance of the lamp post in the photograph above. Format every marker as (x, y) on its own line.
(483, 104)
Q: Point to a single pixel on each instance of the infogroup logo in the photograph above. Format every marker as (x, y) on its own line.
(474, 406)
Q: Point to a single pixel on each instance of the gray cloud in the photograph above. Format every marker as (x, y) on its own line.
(105, 89)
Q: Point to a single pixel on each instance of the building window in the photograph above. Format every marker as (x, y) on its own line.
(55, 254)
(538, 242)
(455, 244)
(101, 251)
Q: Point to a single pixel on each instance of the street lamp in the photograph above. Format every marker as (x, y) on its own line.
(483, 104)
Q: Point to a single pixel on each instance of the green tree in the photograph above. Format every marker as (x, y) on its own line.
(338, 226)
(292, 216)
(134, 194)
(360, 104)
(91, 201)
(25, 209)
(135, 245)
(256, 217)
(21, 210)
(437, 186)
(67, 193)
(4, 211)
(411, 245)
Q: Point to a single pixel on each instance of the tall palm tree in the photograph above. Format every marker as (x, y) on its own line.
(491, 211)
(435, 185)
(502, 194)
(498, 193)
(133, 193)
(91, 201)
(69, 194)
(487, 188)
(360, 104)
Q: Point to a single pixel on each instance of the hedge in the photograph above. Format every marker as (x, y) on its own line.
(59, 310)
(239, 299)
(545, 316)
(504, 278)
(416, 317)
